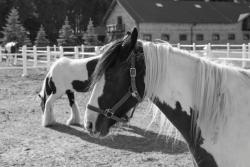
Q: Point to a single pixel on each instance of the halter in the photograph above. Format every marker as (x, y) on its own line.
(109, 113)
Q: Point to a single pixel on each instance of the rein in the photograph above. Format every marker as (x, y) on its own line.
(109, 113)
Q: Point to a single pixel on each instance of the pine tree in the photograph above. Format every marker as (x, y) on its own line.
(14, 30)
(89, 36)
(66, 35)
(41, 39)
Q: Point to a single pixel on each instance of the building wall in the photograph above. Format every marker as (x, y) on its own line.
(126, 18)
(174, 30)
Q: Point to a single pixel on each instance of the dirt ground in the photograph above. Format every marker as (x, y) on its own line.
(24, 142)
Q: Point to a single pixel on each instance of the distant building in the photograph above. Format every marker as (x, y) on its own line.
(180, 21)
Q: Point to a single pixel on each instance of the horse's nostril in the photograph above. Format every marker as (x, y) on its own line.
(89, 126)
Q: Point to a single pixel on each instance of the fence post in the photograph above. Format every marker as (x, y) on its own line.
(243, 55)
(194, 47)
(15, 58)
(48, 57)
(61, 51)
(178, 45)
(82, 51)
(24, 56)
(54, 52)
(76, 52)
(248, 55)
(35, 56)
(97, 50)
(209, 50)
(228, 50)
(1, 55)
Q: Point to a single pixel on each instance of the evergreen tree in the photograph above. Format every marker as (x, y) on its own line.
(89, 36)
(14, 30)
(41, 39)
(66, 35)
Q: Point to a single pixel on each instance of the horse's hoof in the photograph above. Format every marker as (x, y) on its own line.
(73, 122)
(48, 124)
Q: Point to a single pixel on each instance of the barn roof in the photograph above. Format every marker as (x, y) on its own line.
(174, 11)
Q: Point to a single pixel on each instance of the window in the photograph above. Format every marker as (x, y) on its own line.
(183, 37)
(119, 20)
(165, 37)
(216, 37)
(199, 37)
(246, 37)
(246, 24)
(231, 37)
(147, 37)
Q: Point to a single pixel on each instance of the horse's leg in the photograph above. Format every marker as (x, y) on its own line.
(11, 59)
(8, 59)
(75, 115)
(15, 59)
(48, 116)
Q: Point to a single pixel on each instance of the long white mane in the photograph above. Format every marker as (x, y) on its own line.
(212, 98)
(156, 67)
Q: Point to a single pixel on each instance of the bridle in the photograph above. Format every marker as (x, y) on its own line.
(110, 112)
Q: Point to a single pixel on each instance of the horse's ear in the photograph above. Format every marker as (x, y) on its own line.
(129, 42)
(134, 37)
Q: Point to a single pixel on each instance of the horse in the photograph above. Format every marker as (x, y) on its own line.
(12, 49)
(66, 76)
(207, 102)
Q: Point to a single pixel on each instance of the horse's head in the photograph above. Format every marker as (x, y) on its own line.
(119, 85)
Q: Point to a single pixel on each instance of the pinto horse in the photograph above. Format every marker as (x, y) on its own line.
(67, 76)
(11, 48)
(207, 102)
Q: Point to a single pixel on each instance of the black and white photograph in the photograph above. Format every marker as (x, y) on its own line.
(124, 83)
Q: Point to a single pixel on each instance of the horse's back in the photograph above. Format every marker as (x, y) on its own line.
(65, 70)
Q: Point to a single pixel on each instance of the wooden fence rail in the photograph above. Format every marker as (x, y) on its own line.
(42, 57)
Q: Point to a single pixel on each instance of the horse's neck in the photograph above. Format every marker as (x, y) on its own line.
(174, 97)
(177, 80)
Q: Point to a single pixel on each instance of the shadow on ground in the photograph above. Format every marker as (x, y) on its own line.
(139, 140)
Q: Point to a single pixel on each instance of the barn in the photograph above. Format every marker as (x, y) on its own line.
(182, 22)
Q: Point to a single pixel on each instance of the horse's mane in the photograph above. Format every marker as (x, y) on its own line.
(106, 60)
(212, 99)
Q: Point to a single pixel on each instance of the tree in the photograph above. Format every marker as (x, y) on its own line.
(14, 30)
(41, 39)
(52, 14)
(89, 36)
(66, 35)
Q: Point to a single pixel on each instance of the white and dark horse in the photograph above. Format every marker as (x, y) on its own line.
(208, 103)
(66, 76)
(11, 49)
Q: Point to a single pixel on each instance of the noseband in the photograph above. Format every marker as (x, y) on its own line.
(109, 113)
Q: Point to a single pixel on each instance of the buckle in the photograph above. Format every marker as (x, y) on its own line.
(108, 113)
(132, 72)
(135, 94)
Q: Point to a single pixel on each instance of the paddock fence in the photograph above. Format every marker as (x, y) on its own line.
(42, 57)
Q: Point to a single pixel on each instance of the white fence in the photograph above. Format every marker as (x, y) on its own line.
(42, 57)
(238, 55)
